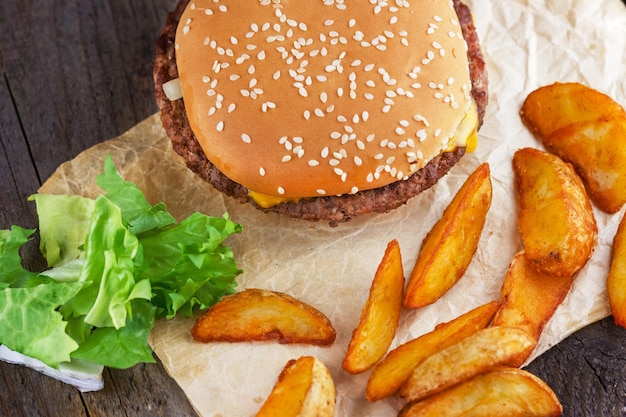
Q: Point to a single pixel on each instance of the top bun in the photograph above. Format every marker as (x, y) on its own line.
(323, 98)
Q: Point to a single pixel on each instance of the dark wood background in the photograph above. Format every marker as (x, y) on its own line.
(77, 72)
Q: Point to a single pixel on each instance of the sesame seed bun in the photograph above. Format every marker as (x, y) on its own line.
(324, 102)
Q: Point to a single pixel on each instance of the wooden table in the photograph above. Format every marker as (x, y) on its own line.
(75, 73)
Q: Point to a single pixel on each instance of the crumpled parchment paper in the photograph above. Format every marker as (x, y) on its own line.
(527, 44)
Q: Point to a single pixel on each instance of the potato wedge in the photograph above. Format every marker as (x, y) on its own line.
(616, 280)
(449, 247)
(304, 389)
(503, 392)
(587, 129)
(254, 314)
(555, 218)
(476, 354)
(553, 107)
(379, 319)
(529, 297)
(389, 374)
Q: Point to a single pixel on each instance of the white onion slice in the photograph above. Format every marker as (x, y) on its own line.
(172, 89)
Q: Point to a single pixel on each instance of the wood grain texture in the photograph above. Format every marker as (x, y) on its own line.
(75, 73)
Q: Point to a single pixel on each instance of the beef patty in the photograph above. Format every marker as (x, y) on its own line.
(334, 209)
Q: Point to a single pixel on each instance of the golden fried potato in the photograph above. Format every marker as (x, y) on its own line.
(449, 247)
(555, 218)
(304, 389)
(553, 107)
(616, 280)
(587, 129)
(254, 314)
(379, 319)
(530, 297)
(477, 354)
(502, 392)
(389, 374)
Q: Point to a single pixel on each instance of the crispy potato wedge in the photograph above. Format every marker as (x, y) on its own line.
(476, 354)
(616, 280)
(389, 374)
(304, 389)
(254, 314)
(555, 218)
(587, 129)
(509, 392)
(553, 107)
(529, 297)
(379, 319)
(449, 247)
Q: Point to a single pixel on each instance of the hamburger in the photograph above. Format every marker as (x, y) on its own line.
(325, 110)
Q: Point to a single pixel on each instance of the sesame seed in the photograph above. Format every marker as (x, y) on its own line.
(246, 138)
(281, 190)
(262, 171)
(220, 126)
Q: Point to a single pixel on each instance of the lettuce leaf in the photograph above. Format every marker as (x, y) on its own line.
(117, 263)
(63, 224)
(11, 271)
(30, 321)
(123, 347)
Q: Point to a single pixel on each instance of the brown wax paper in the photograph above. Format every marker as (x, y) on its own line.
(527, 44)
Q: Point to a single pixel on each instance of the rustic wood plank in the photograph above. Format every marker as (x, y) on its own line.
(74, 74)
(139, 391)
(587, 371)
